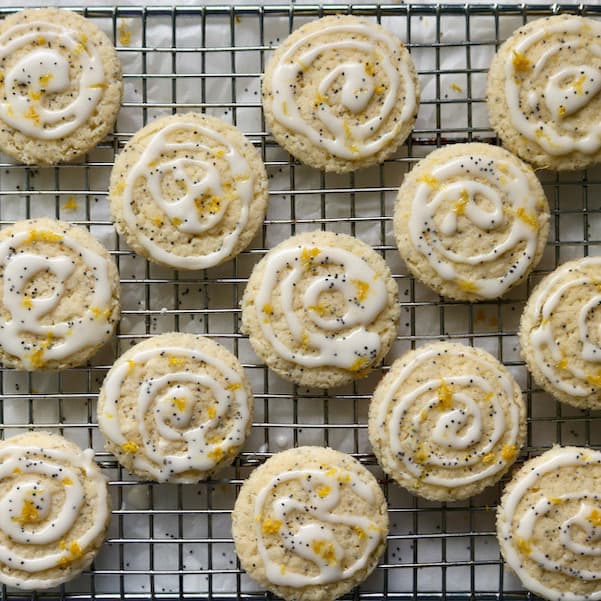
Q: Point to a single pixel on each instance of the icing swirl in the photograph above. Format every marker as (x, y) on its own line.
(453, 430)
(549, 525)
(56, 83)
(35, 327)
(350, 113)
(299, 280)
(476, 197)
(549, 94)
(175, 433)
(44, 491)
(565, 344)
(315, 495)
(197, 183)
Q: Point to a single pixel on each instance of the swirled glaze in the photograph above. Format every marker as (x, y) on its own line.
(167, 414)
(353, 137)
(204, 200)
(576, 375)
(496, 197)
(44, 493)
(53, 56)
(555, 528)
(24, 331)
(315, 540)
(338, 341)
(453, 430)
(541, 59)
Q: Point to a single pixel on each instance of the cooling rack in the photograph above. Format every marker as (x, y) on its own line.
(174, 542)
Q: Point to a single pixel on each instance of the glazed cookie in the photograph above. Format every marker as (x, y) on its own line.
(59, 295)
(559, 333)
(60, 86)
(188, 191)
(321, 309)
(175, 408)
(55, 509)
(471, 221)
(310, 524)
(549, 524)
(447, 421)
(340, 93)
(543, 92)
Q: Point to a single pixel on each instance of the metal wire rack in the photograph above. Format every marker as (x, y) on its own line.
(174, 542)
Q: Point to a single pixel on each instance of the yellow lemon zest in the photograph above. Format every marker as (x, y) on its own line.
(27, 302)
(180, 403)
(360, 531)
(211, 412)
(323, 491)
(124, 34)
(488, 458)
(319, 309)
(176, 221)
(459, 206)
(562, 363)
(285, 108)
(235, 386)
(594, 517)
(520, 61)
(17, 470)
(529, 218)
(267, 309)
(421, 456)
(41, 40)
(325, 550)
(37, 358)
(509, 451)
(369, 69)
(70, 204)
(562, 110)
(320, 99)
(130, 447)
(489, 396)
(524, 546)
(556, 500)
(308, 254)
(43, 236)
(34, 95)
(44, 80)
(176, 360)
(577, 85)
(467, 285)
(98, 312)
(456, 87)
(359, 363)
(430, 180)
(445, 395)
(67, 481)
(29, 513)
(331, 472)
(362, 289)
(216, 454)
(270, 526)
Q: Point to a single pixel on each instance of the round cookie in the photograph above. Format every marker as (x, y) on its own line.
(60, 88)
(175, 408)
(543, 92)
(310, 524)
(559, 333)
(188, 191)
(549, 524)
(59, 295)
(471, 221)
(321, 309)
(447, 421)
(340, 93)
(55, 510)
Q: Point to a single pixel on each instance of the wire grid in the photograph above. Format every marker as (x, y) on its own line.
(174, 542)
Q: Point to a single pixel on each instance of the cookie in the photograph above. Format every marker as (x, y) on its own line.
(175, 408)
(559, 333)
(549, 523)
(55, 509)
(60, 86)
(321, 309)
(447, 421)
(340, 93)
(543, 92)
(471, 221)
(188, 191)
(310, 524)
(59, 295)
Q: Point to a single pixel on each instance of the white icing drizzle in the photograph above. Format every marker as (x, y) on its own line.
(31, 469)
(331, 343)
(568, 88)
(345, 140)
(169, 400)
(52, 341)
(44, 71)
(183, 212)
(310, 540)
(517, 535)
(452, 189)
(459, 427)
(569, 377)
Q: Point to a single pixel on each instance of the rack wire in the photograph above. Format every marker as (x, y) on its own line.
(174, 542)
